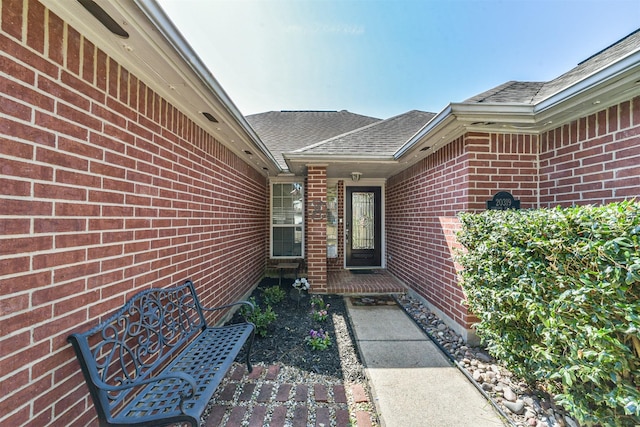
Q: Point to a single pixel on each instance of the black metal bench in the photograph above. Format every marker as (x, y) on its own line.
(156, 361)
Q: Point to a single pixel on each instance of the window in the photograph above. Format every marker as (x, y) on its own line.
(287, 214)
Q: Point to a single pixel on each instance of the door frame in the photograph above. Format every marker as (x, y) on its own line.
(378, 183)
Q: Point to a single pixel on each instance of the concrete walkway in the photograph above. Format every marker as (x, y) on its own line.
(413, 383)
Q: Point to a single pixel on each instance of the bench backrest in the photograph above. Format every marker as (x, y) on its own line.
(137, 341)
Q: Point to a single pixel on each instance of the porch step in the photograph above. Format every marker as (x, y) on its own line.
(373, 282)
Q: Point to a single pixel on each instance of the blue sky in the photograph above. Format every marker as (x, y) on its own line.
(383, 58)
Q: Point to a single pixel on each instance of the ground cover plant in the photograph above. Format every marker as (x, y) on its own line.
(557, 292)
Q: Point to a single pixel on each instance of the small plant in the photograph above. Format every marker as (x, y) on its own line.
(273, 295)
(262, 318)
(318, 340)
(319, 309)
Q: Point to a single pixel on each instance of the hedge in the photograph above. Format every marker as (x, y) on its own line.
(557, 292)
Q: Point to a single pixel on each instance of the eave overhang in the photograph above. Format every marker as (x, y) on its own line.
(159, 56)
(342, 165)
(609, 86)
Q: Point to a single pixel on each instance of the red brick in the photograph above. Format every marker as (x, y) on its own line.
(236, 416)
(257, 372)
(284, 390)
(265, 393)
(36, 26)
(258, 416)
(342, 418)
(320, 393)
(17, 361)
(301, 393)
(65, 323)
(12, 17)
(19, 418)
(56, 38)
(25, 245)
(323, 417)
(216, 415)
(272, 371)
(247, 391)
(359, 394)
(363, 419)
(278, 417)
(339, 394)
(228, 392)
(300, 415)
(64, 127)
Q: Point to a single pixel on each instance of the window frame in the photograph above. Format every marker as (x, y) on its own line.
(272, 226)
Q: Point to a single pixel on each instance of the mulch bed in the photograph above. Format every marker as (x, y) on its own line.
(285, 342)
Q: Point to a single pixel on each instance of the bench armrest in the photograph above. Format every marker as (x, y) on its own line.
(138, 383)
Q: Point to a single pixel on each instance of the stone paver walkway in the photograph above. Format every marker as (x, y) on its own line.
(266, 398)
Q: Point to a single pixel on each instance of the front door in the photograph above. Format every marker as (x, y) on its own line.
(363, 227)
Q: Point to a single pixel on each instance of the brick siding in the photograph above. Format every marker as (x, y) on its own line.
(592, 160)
(106, 189)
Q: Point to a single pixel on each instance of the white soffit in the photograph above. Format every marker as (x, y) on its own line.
(155, 61)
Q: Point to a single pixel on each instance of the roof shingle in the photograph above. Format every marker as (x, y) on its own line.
(285, 131)
(381, 138)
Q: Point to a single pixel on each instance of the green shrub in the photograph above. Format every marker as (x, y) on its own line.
(260, 317)
(557, 292)
(273, 295)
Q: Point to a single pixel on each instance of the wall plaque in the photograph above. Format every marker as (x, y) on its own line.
(503, 200)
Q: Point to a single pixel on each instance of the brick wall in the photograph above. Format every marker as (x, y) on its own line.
(422, 203)
(593, 160)
(105, 189)
(316, 227)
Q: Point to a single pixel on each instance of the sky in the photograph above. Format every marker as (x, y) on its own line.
(382, 58)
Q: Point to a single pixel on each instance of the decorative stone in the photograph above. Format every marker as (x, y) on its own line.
(509, 394)
(487, 386)
(516, 407)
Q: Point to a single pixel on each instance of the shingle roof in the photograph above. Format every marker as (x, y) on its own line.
(285, 131)
(600, 60)
(381, 138)
(509, 92)
(534, 92)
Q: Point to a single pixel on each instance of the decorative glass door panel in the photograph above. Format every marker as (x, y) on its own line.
(364, 216)
(363, 228)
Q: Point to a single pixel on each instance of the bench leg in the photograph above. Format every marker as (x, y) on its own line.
(249, 344)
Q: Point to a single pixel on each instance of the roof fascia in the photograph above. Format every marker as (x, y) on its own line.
(614, 72)
(437, 125)
(161, 21)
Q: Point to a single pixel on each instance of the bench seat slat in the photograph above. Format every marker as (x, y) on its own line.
(207, 359)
